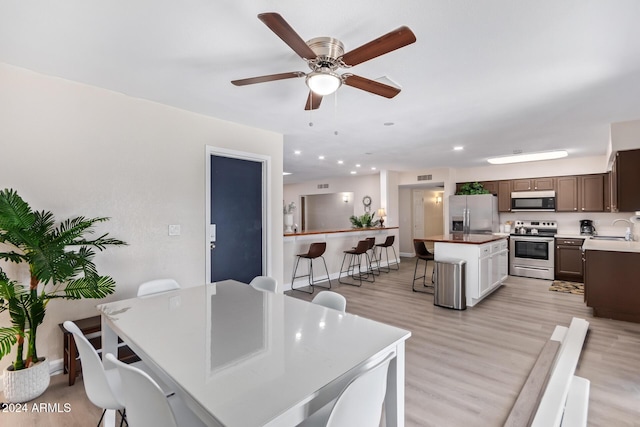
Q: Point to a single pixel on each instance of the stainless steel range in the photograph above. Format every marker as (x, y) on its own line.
(531, 249)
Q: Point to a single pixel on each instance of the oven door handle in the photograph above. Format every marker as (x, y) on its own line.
(532, 239)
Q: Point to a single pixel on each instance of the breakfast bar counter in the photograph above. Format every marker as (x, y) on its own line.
(337, 242)
(486, 260)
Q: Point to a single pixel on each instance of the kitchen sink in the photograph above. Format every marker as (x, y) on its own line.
(619, 238)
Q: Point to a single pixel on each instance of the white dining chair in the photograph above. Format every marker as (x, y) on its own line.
(332, 300)
(359, 404)
(102, 386)
(157, 286)
(265, 283)
(146, 404)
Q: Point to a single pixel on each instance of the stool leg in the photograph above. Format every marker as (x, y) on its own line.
(395, 259)
(293, 278)
(327, 270)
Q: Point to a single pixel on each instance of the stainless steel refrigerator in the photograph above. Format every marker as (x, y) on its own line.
(475, 214)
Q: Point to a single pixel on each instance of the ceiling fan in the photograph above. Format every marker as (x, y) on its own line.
(325, 55)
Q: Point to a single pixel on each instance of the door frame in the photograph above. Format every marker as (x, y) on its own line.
(267, 268)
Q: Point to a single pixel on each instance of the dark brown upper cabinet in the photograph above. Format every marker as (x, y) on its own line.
(582, 193)
(625, 181)
(533, 184)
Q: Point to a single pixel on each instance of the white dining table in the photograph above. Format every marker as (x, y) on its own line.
(242, 357)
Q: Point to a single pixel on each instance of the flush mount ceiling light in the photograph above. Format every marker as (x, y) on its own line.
(532, 157)
(323, 82)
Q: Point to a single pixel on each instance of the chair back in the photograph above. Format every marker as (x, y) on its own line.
(316, 249)
(389, 240)
(332, 300)
(265, 283)
(362, 247)
(421, 250)
(146, 404)
(372, 242)
(157, 286)
(360, 403)
(95, 381)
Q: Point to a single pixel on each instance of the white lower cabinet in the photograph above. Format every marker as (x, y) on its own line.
(486, 265)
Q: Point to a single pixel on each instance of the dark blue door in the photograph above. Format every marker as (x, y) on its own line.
(236, 211)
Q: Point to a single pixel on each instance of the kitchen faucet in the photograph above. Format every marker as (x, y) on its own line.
(621, 219)
(628, 235)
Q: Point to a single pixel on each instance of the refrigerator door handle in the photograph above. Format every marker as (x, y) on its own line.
(465, 215)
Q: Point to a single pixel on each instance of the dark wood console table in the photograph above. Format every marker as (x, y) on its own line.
(92, 329)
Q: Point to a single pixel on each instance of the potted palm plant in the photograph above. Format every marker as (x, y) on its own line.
(60, 259)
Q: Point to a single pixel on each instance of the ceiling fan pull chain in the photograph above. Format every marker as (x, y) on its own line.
(335, 113)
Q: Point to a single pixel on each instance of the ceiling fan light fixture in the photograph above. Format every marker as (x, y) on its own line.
(323, 82)
(531, 157)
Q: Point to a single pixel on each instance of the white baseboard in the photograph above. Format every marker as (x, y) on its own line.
(55, 367)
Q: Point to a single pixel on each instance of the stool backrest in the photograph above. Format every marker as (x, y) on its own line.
(362, 247)
(372, 242)
(389, 240)
(421, 249)
(317, 249)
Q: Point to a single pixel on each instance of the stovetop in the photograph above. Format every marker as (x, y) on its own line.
(532, 228)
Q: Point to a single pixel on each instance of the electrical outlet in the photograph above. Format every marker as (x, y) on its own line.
(174, 303)
(174, 230)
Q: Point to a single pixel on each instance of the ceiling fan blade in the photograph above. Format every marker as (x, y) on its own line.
(384, 44)
(372, 86)
(313, 101)
(278, 25)
(269, 78)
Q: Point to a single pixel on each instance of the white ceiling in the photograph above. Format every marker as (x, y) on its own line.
(493, 76)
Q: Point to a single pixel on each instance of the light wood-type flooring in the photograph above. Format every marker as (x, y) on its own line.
(463, 368)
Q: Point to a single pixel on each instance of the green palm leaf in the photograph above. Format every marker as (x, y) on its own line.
(85, 287)
(8, 337)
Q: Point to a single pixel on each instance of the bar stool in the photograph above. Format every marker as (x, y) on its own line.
(422, 253)
(316, 250)
(355, 259)
(388, 243)
(371, 254)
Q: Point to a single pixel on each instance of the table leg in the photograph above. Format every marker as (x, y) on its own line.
(394, 399)
(109, 342)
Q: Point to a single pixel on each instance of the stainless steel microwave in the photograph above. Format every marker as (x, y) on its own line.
(537, 201)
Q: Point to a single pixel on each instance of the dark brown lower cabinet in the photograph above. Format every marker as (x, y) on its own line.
(568, 260)
(611, 284)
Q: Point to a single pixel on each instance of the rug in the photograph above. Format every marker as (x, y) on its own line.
(567, 287)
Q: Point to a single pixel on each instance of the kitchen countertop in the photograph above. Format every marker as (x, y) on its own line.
(610, 245)
(471, 239)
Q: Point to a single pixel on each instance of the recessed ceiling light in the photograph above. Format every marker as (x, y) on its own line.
(286, 173)
(458, 148)
(321, 157)
(358, 165)
(531, 157)
(353, 172)
(373, 168)
(340, 162)
(297, 152)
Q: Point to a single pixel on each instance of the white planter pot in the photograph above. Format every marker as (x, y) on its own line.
(26, 384)
(288, 223)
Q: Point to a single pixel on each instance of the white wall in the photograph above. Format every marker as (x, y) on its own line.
(80, 150)
(365, 185)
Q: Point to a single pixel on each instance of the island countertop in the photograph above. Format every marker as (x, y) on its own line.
(471, 239)
(611, 245)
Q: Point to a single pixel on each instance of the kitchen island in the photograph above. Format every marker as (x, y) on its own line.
(486, 258)
(611, 285)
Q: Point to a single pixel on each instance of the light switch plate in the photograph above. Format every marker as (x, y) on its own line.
(174, 230)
